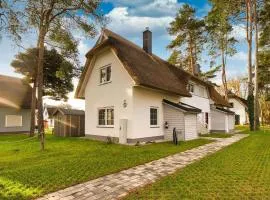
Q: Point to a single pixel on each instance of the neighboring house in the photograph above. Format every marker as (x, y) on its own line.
(15, 105)
(206, 98)
(240, 107)
(48, 116)
(132, 95)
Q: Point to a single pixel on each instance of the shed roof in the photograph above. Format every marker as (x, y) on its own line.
(15, 93)
(65, 111)
(225, 110)
(182, 106)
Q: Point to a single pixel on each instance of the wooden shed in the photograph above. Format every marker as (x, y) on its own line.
(68, 122)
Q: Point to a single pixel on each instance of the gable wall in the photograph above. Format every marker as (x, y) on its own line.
(239, 109)
(110, 94)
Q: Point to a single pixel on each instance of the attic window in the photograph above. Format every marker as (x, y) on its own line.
(231, 104)
(105, 74)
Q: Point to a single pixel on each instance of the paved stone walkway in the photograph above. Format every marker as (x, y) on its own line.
(115, 186)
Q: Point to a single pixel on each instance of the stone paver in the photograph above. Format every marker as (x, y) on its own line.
(115, 186)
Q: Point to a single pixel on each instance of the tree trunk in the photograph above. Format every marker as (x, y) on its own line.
(33, 107)
(40, 85)
(224, 80)
(191, 55)
(256, 113)
(249, 25)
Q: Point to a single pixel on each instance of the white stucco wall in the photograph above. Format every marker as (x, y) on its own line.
(143, 100)
(239, 109)
(110, 94)
(200, 99)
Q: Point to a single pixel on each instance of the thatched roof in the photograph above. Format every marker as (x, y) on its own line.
(146, 70)
(14, 93)
(243, 101)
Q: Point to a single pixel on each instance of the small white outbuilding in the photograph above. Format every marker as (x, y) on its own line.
(222, 120)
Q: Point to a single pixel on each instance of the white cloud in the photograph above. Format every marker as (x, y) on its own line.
(240, 56)
(132, 26)
(150, 8)
(239, 32)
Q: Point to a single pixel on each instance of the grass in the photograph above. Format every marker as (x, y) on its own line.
(26, 172)
(217, 135)
(240, 171)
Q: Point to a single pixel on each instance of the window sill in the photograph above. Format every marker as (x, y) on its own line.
(155, 126)
(104, 126)
(105, 83)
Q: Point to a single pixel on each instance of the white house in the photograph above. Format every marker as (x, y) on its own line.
(212, 105)
(239, 106)
(132, 95)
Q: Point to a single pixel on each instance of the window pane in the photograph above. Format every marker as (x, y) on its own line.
(108, 73)
(153, 116)
(110, 116)
(103, 75)
(101, 117)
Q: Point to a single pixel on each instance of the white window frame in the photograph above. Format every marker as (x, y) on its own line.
(105, 108)
(156, 125)
(100, 72)
(10, 126)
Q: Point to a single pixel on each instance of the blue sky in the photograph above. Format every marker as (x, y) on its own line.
(129, 19)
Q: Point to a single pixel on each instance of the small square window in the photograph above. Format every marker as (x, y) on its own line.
(106, 116)
(153, 116)
(105, 74)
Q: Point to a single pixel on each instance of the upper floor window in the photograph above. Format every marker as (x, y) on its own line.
(105, 74)
(153, 116)
(190, 88)
(231, 104)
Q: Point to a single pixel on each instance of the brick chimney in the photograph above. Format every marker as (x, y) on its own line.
(147, 41)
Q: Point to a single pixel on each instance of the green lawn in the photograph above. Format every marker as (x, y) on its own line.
(217, 135)
(240, 171)
(26, 172)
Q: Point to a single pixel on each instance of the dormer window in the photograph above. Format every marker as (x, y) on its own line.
(190, 88)
(105, 74)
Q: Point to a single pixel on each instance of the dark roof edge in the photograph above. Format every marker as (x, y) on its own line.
(225, 110)
(178, 105)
